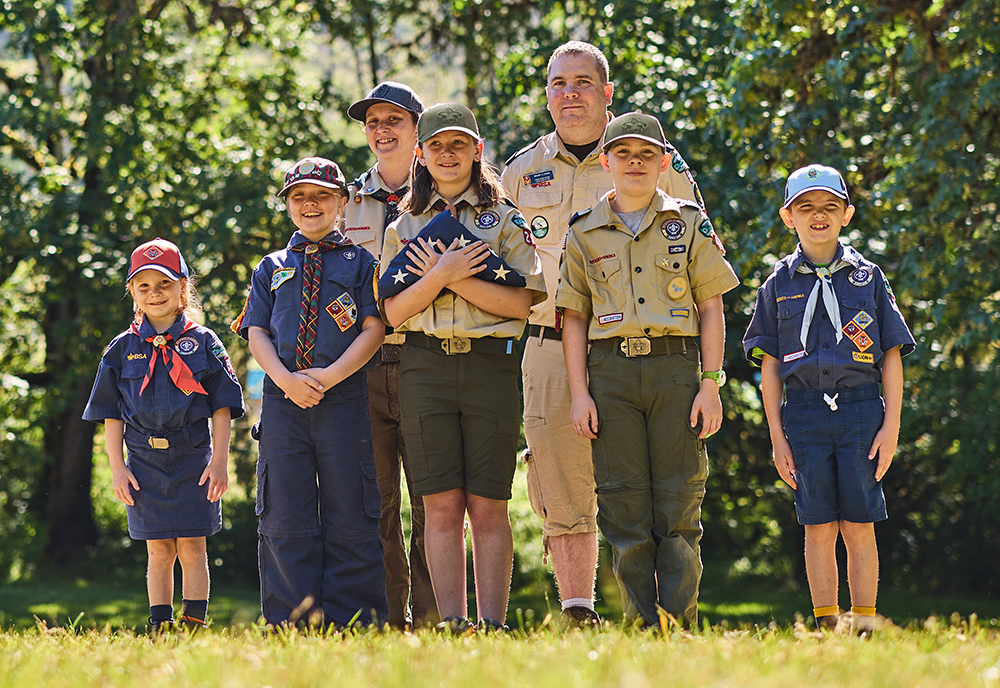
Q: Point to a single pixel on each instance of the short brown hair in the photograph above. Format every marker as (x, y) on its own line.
(581, 48)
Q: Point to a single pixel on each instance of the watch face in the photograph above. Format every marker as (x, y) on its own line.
(722, 378)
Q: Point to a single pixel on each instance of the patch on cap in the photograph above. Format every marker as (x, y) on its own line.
(446, 117)
(634, 125)
(160, 255)
(319, 171)
(815, 178)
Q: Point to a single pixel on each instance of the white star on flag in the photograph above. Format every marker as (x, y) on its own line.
(501, 273)
(399, 277)
(463, 242)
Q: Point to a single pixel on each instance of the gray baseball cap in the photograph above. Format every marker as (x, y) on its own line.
(446, 117)
(635, 125)
(813, 178)
(391, 92)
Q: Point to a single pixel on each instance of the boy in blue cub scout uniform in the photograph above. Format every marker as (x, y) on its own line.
(825, 331)
(312, 323)
(158, 385)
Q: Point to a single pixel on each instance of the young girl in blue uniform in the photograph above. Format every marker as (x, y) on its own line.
(312, 323)
(459, 402)
(159, 386)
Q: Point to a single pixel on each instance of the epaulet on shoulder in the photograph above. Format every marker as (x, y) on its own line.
(521, 152)
(114, 341)
(508, 202)
(577, 216)
(688, 203)
(358, 183)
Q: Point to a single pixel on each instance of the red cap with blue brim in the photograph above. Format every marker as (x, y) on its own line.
(160, 255)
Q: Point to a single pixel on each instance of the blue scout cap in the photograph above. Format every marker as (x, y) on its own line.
(446, 117)
(319, 171)
(395, 277)
(391, 92)
(635, 125)
(813, 178)
(160, 255)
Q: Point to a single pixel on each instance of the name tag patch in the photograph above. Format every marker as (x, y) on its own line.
(539, 180)
(788, 358)
(610, 318)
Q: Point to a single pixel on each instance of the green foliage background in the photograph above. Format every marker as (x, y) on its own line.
(125, 119)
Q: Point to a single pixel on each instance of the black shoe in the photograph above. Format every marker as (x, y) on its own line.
(491, 626)
(160, 626)
(581, 617)
(457, 625)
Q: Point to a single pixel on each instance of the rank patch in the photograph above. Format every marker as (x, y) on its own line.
(860, 277)
(677, 288)
(862, 358)
(539, 226)
(344, 311)
(487, 220)
(862, 319)
(672, 230)
(186, 346)
(862, 341)
(280, 276)
(610, 318)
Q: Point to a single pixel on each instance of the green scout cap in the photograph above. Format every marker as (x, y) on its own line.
(446, 117)
(635, 125)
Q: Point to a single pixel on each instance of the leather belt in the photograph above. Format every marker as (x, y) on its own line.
(630, 347)
(388, 353)
(461, 345)
(543, 332)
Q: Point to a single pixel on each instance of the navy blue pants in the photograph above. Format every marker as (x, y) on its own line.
(319, 508)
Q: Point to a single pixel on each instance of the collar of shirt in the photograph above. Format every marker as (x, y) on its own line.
(844, 253)
(146, 330)
(371, 181)
(601, 215)
(334, 236)
(469, 196)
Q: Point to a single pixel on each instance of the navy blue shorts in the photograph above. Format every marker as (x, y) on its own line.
(830, 447)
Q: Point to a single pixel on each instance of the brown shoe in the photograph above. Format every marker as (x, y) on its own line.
(581, 617)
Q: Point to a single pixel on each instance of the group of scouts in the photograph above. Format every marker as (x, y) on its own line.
(388, 330)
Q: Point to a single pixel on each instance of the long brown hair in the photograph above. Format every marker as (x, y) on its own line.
(485, 182)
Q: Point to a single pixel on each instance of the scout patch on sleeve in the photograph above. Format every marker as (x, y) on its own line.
(344, 311)
(280, 276)
(707, 230)
(678, 163)
(518, 219)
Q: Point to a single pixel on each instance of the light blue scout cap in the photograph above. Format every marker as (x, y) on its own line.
(813, 178)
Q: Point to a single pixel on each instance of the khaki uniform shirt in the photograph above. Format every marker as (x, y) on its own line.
(549, 186)
(449, 315)
(364, 220)
(644, 285)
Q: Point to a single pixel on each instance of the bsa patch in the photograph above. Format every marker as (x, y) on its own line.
(131, 357)
(487, 219)
(518, 219)
(539, 180)
(350, 255)
(280, 276)
(344, 311)
(677, 288)
(788, 358)
(186, 346)
(862, 358)
(680, 312)
(610, 318)
(678, 163)
(860, 277)
(673, 230)
(677, 248)
(539, 226)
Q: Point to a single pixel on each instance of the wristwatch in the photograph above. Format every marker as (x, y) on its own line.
(718, 375)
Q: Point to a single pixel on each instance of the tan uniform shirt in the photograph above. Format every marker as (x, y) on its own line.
(644, 285)
(364, 220)
(549, 186)
(450, 315)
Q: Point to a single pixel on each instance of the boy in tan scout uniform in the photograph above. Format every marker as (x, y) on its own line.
(642, 275)
(558, 175)
(388, 115)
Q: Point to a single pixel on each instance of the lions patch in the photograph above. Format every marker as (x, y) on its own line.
(863, 358)
(344, 311)
(487, 219)
(280, 276)
(672, 230)
(186, 346)
(860, 277)
(539, 226)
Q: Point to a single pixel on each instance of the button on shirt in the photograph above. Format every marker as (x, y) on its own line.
(347, 290)
(871, 323)
(644, 285)
(549, 185)
(163, 407)
(449, 315)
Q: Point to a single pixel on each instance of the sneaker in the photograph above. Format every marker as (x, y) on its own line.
(457, 625)
(161, 626)
(581, 617)
(491, 626)
(191, 623)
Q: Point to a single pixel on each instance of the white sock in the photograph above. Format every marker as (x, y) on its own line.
(578, 602)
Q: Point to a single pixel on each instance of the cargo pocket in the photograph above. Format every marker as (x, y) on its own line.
(262, 504)
(372, 498)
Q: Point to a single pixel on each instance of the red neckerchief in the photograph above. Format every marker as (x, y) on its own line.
(178, 369)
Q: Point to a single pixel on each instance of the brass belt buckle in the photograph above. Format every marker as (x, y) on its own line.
(635, 346)
(159, 443)
(456, 345)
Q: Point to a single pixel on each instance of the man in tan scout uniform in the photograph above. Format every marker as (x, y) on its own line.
(389, 115)
(642, 275)
(550, 180)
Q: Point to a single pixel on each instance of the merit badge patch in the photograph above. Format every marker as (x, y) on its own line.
(539, 180)
(863, 358)
(539, 226)
(677, 289)
(610, 318)
(344, 311)
(862, 319)
(672, 230)
(186, 346)
(487, 220)
(677, 248)
(680, 312)
(280, 276)
(860, 277)
(788, 358)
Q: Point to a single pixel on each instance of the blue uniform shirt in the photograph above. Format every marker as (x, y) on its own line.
(871, 324)
(162, 407)
(346, 298)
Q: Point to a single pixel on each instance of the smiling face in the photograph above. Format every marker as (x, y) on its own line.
(577, 99)
(448, 157)
(391, 132)
(817, 217)
(635, 165)
(158, 297)
(315, 210)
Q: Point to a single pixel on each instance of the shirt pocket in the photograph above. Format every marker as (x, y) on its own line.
(340, 299)
(133, 373)
(860, 321)
(790, 314)
(672, 283)
(607, 291)
(542, 210)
